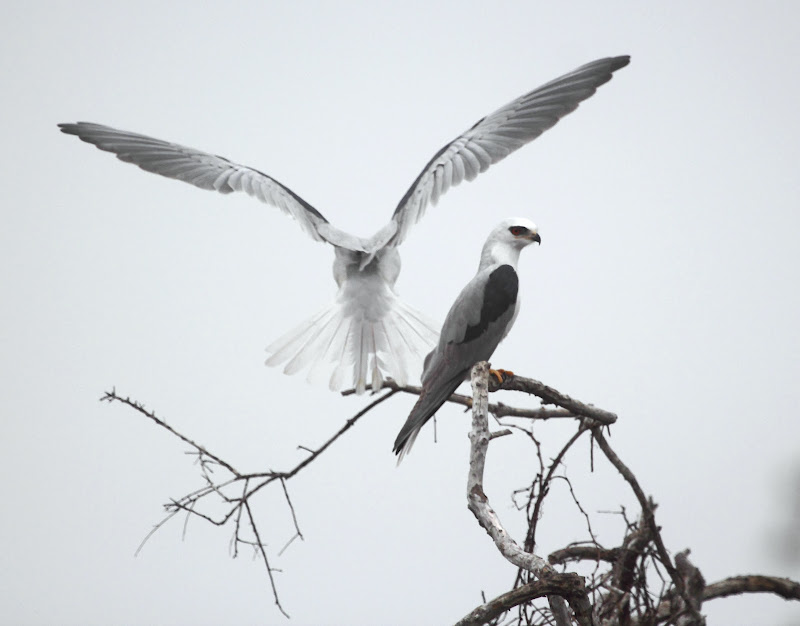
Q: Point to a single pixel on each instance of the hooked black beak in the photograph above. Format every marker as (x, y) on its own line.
(535, 237)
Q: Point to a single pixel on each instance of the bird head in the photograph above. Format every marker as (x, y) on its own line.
(507, 239)
(517, 231)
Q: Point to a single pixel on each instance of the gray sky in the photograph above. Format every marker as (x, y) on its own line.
(665, 290)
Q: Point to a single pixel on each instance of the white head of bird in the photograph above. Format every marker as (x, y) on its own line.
(506, 241)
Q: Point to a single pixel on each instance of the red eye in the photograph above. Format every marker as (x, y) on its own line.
(518, 230)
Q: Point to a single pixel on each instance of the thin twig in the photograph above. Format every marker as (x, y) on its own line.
(314, 454)
(649, 516)
(111, 396)
(206, 460)
(530, 540)
(260, 546)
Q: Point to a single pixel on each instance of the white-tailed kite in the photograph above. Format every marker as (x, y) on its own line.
(478, 321)
(367, 332)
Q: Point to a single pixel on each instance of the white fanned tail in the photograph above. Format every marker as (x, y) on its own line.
(353, 346)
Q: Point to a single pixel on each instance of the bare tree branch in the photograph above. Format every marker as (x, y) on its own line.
(241, 502)
(498, 409)
(544, 488)
(260, 546)
(111, 396)
(753, 583)
(584, 553)
(633, 584)
(549, 395)
(647, 509)
(738, 585)
(478, 503)
(565, 585)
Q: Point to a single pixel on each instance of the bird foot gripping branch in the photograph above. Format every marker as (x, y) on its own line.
(501, 375)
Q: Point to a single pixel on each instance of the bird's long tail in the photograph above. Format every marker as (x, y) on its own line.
(434, 394)
(353, 346)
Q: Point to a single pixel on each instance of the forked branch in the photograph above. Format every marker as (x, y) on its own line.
(624, 588)
(236, 490)
(478, 503)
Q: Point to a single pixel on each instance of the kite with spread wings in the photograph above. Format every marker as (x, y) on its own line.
(367, 333)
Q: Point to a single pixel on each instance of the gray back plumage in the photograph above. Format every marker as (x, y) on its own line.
(478, 320)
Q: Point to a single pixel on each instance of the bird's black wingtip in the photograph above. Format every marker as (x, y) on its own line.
(620, 62)
(67, 128)
(397, 449)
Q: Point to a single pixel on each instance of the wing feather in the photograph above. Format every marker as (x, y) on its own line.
(209, 171)
(499, 134)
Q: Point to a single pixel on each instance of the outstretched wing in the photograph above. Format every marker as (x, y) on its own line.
(495, 137)
(209, 171)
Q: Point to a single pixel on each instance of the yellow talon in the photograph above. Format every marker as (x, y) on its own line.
(501, 375)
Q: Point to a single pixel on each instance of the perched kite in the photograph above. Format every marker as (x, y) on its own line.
(478, 321)
(367, 333)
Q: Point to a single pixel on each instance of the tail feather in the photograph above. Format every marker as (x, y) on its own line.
(392, 360)
(343, 368)
(434, 394)
(422, 334)
(316, 345)
(360, 358)
(412, 345)
(319, 371)
(420, 322)
(348, 348)
(286, 346)
(376, 362)
(377, 370)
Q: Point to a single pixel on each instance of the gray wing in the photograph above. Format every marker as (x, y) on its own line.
(209, 171)
(477, 321)
(494, 137)
(475, 325)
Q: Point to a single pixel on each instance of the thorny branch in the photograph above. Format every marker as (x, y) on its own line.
(633, 584)
(241, 503)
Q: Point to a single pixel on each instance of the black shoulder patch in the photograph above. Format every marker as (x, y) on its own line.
(500, 294)
(413, 187)
(302, 202)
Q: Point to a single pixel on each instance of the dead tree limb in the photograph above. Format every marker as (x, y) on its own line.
(498, 409)
(478, 503)
(735, 585)
(239, 503)
(549, 395)
(633, 584)
(564, 585)
(650, 519)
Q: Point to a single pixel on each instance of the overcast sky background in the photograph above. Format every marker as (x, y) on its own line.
(665, 290)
